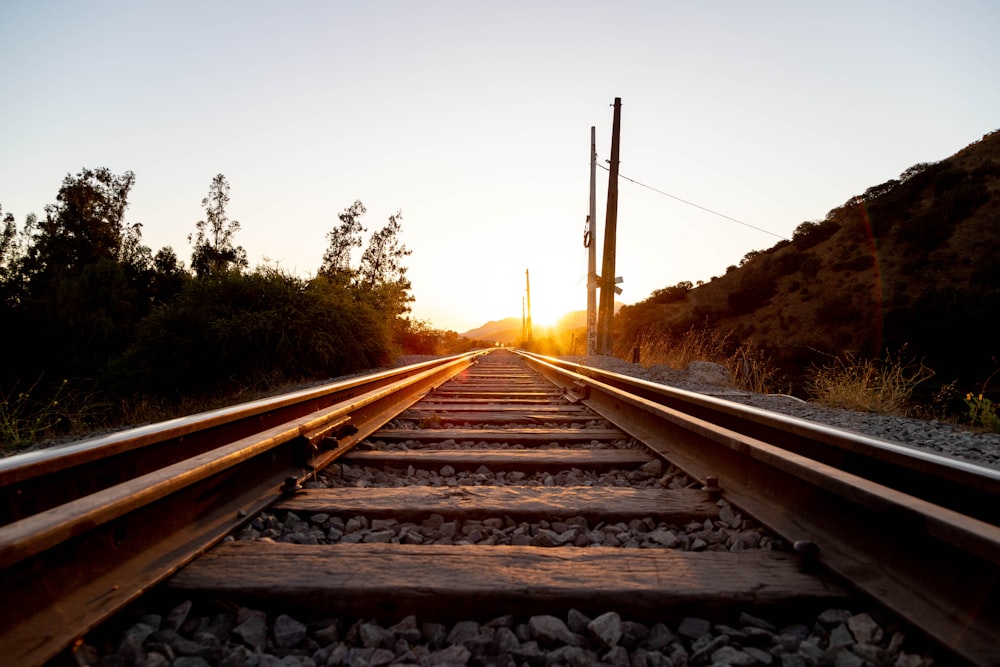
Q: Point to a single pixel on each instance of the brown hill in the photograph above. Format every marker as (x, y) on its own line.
(567, 334)
(914, 261)
(506, 331)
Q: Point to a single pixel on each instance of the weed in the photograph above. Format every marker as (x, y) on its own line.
(747, 364)
(883, 386)
(24, 419)
(430, 422)
(941, 402)
(983, 412)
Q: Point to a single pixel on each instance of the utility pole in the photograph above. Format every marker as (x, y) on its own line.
(527, 284)
(606, 312)
(522, 319)
(592, 249)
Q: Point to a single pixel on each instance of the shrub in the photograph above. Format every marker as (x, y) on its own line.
(238, 330)
(754, 290)
(44, 411)
(23, 418)
(983, 412)
(869, 385)
(809, 234)
(747, 364)
(671, 294)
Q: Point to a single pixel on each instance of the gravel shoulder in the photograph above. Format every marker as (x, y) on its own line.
(941, 437)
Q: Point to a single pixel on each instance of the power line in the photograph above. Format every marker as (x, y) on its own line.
(698, 206)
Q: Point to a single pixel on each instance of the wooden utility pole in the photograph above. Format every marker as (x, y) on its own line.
(592, 249)
(606, 312)
(527, 285)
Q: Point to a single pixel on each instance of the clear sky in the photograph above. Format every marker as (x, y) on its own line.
(473, 119)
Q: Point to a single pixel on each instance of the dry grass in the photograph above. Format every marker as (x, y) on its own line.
(74, 411)
(747, 364)
(883, 386)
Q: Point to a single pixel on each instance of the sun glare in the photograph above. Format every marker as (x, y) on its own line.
(554, 295)
(553, 309)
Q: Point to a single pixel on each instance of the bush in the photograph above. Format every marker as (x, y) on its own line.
(46, 410)
(869, 385)
(809, 234)
(983, 412)
(755, 289)
(747, 364)
(250, 329)
(671, 294)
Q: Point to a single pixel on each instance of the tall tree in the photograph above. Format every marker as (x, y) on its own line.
(214, 251)
(86, 225)
(341, 240)
(382, 273)
(81, 279)
(12, 248)
(8, 245)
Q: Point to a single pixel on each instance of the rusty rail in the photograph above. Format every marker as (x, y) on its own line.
(66, 568)
(934, 566)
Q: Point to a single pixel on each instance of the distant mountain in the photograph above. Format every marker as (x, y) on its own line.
(912, 262)
(508, 330)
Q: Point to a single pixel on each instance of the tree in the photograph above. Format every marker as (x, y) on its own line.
(167, 276)
(85, 226)
(214, 251)
(671, 294)
(8, 247)
(78, 279)
(12, 249)
(382, 274)
(341, 240)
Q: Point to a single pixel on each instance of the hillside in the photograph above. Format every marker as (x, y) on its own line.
(506, 331)
(913, 262)
(566, 337)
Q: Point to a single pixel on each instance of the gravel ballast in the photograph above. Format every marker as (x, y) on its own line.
(187, 635)
(934, 435)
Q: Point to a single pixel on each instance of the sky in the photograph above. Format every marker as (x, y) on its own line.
(473, 119)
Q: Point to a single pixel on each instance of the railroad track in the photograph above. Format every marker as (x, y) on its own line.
(483, 486)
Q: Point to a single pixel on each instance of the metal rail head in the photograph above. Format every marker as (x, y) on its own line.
(35, 481)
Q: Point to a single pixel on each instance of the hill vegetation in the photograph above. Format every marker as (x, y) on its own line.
(99, 330)
(910, 267)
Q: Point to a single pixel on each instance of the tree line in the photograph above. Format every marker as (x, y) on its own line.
(84, 301)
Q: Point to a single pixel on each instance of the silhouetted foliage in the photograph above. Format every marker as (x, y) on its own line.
(671, 294)
(85, 226)
(753, 291)
(82, 297)
(76, 280)
(168, 276)
(810, 234)
(341, 240)
(234, 330)
(858, 262)
(381, 275)
(789, 262)
(214, 251)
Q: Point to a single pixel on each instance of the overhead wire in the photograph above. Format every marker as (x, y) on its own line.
(698, 206)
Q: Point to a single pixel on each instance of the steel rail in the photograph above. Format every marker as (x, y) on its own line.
(935, 567)
(959, 485)
(67, 568)
(36, 481)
